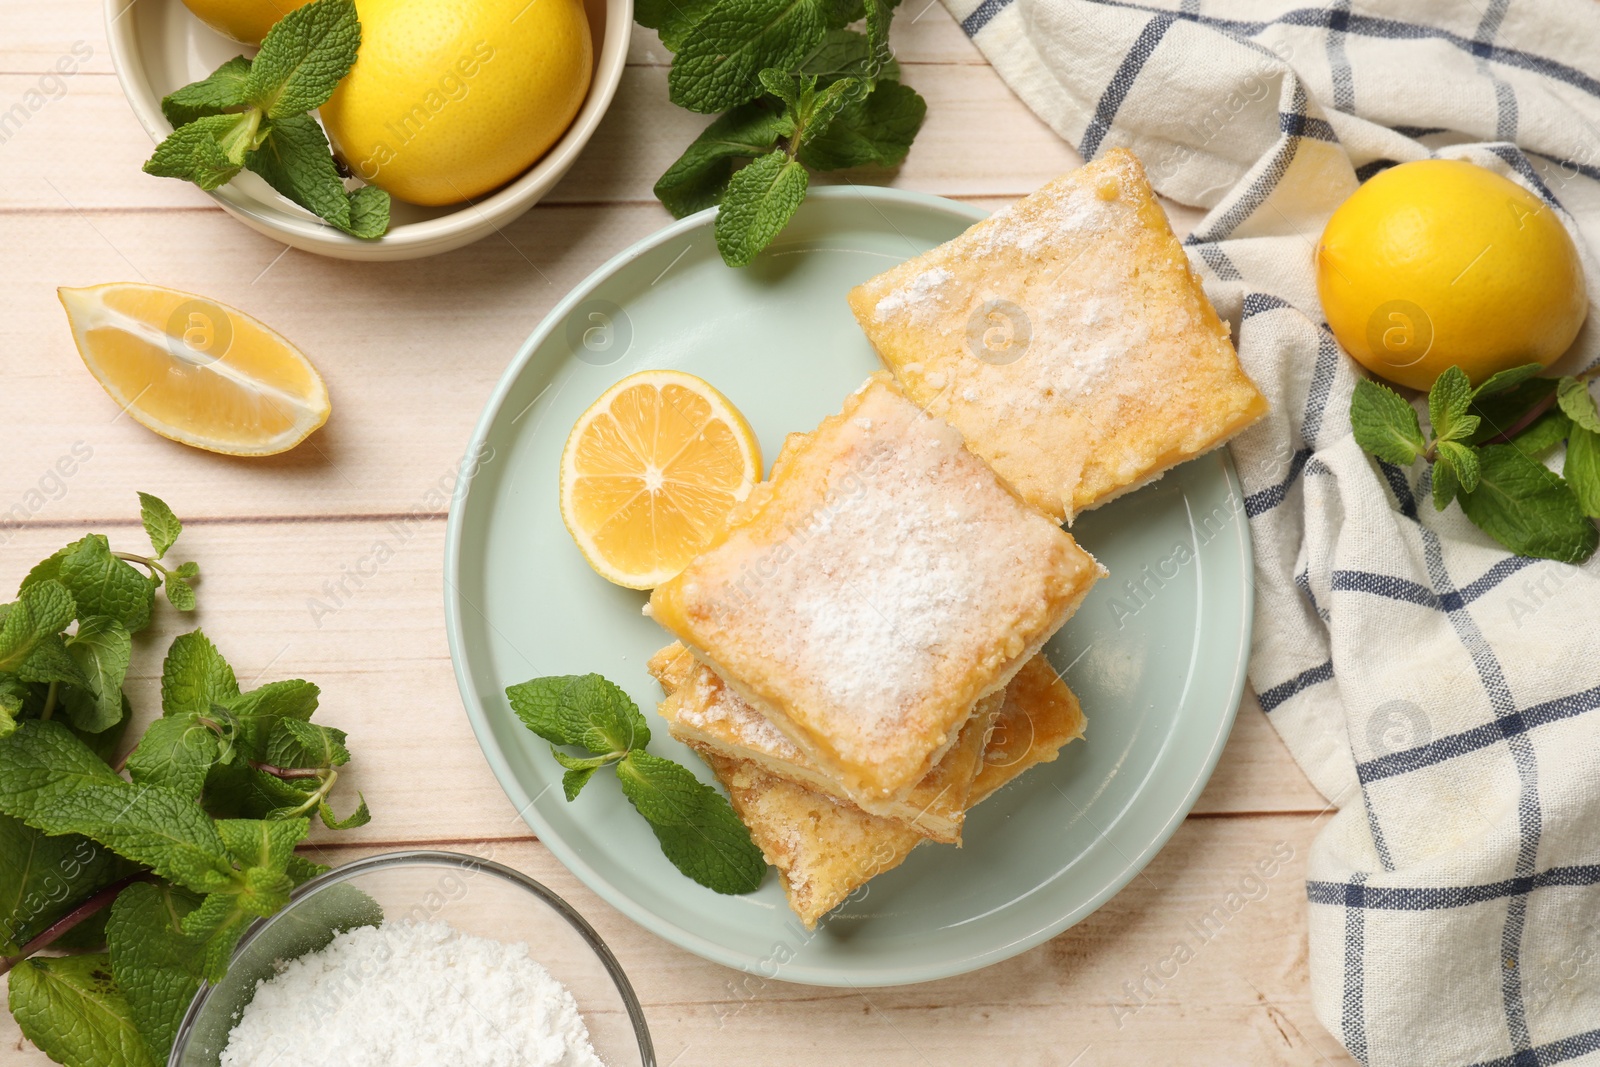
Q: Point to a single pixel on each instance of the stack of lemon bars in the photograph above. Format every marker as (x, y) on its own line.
(858, 652)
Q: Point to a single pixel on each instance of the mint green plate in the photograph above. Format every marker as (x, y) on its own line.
(1159, 673)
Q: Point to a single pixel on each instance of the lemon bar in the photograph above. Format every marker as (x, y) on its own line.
(1067, 338)
(824, 848)
(703, 712)
(1038, 716)
(873, 590)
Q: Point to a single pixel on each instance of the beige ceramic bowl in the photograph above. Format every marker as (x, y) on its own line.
(158, 45)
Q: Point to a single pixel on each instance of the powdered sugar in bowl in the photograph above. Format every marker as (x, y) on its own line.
(419, 958)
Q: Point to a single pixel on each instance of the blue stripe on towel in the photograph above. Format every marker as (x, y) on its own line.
(1122, 82)
(1353, 894)
(1459, 744)
(1322, 672)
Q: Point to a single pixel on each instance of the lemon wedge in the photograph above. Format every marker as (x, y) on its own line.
(650, 472)
(196, 371)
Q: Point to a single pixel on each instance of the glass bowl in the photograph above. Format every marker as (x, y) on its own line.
(475, 896)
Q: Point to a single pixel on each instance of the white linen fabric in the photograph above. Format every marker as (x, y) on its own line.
(1441, 692)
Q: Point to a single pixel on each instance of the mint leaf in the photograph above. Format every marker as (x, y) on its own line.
(108, 742)
(297, 744)
(1500, 381)
(102, 584)
(758, 203)
(303, 57)
(51, 662)
(44, 571)
(1446, 487)
(180, 593)
(297, 161)
(160, 523)
(14, 695)
(1456, 471)
(1528, 509)
(102, 648)
(820, 108)
(694, 823)
(1384, 424)
(176, 751)
(584, 710)
(579, 771)
(699, 177)
(875, 131)
(573, 781)
(1542, 435)
(1582, 470)
(52, 781)
(301, 870)
(258, 711)
(220, 90)
(846, 54)
(878, 14)
(717, 66)
(369, 212)
(156, 966)
(45, 877)
(195, 676)
(222, 918)
(837, 13)
(674, 19)
(208, 151)
(1448, 402)
(72, 1009)
(259, 843)
(154, 826)
(781, 85)
(41, 760)
(360, 817)
(42, 610)
(1499, 411)
(1575, 400)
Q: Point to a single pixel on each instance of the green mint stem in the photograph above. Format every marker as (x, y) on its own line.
(315, 798)
(49, 702)
(72, 918)
(144, 561)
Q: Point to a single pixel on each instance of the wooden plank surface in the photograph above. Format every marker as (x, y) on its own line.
(411, 351)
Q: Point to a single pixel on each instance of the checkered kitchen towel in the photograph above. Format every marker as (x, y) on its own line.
(1443, 694)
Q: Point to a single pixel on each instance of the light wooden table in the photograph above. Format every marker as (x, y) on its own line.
(410, 352)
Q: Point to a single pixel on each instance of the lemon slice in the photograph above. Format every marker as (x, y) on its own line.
(650, 473)
(196, 371)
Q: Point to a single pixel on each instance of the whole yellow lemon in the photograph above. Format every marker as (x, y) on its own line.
(246, 21)
(1441, 263)
(450, 99)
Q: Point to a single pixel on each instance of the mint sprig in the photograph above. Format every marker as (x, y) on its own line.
(254, 115)
(799, 90)
(1487, 446)
(155, 865)
(694, 824)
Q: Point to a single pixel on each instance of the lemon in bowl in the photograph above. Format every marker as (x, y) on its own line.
(1441, 263)
(245, 21)
(451, 99)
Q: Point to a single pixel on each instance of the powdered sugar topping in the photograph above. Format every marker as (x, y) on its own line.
(914, 555)
(918, 300)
